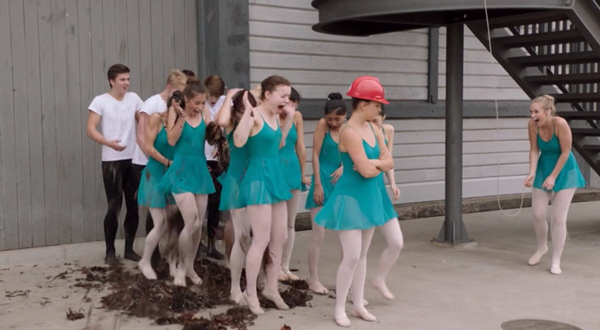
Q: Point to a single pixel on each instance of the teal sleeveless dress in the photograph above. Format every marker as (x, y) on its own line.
(356, 202)
(264, 181)
(569, 177)
(289, 161)
(148, 193)
(231, 179)
(329, 162)
(189, 172)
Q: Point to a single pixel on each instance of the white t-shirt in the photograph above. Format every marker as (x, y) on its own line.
(214, 110)
(117, 123)
(154, 104)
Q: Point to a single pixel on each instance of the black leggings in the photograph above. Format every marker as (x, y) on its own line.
(120, 179)
(213, 214)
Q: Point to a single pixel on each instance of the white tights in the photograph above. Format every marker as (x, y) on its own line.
(292, 211)
(318, 234)
(269, 226)
(241, 243)
(352, 273)
(562, 201)
(393, 235)
(192, 208)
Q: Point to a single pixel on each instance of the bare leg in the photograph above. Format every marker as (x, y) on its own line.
(318, 233)
(562, 201)
(277, 241)
(539, 205)
(393, 235)
(292, 211)
(241, 242)
(351, 241)
(152, 239)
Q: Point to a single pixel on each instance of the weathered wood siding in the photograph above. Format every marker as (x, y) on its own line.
(493, 152)
(53, 62)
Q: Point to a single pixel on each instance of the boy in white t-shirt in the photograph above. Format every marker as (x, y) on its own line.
(115, 113)
(216, 88)
(176, 80)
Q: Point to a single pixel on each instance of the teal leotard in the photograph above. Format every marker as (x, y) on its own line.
(264, 181)
(329, 162)
(189, 172)
(569, 177)
(148, 193)
(356, 202)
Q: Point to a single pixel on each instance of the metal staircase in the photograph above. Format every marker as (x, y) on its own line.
(555, 52)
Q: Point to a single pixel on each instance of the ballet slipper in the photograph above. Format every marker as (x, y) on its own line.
(382, 287)
(537, 256)
(276, 299)
(290, 276)
(253, 304)
(146, 269)
(342, 320)
(179, 278)
(555, 269)
(364, 314)
(282, 276)
(191, 274)
(318, 288)
(238, 298)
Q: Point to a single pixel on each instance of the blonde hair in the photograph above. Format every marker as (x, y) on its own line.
(176, 78)
(547, 102)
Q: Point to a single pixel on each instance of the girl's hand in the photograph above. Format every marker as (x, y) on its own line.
(318, 194)
(529, 180)
(306, 180)
(396, 192)
(178, 109)
(335, 176)
(549, 183)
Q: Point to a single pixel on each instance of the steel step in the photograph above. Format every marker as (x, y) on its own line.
(577, 97)
(539, 39)
(555, 59)
(573, 115)
(591, 147)
(579, 78)
(586, 131)
(529, 18)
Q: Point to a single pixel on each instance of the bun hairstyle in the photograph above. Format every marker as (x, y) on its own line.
(193, 87)
(295, 96)
(547, 102)
(177, 96)
(335, 104)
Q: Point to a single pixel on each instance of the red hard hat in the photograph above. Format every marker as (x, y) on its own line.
(367, 88)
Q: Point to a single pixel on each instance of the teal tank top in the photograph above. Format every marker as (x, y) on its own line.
(329, 161)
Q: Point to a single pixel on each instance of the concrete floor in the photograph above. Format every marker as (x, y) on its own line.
(436, 287)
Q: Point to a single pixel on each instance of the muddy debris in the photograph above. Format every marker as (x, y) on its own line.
(161, 301)
(72, 316)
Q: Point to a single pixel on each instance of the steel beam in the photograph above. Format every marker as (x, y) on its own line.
(453, 231)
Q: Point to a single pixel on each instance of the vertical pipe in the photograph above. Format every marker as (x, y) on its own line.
(454, 231)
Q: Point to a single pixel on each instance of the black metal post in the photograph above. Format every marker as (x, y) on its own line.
(453, 230)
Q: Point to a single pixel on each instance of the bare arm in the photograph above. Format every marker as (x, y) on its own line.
(385, 156)
(175, 123)
(154, 125)
(224, 114)
(300, 148)
(351, 141)
(563, 133)
(140, 136)
(242, 132)
(389, 132)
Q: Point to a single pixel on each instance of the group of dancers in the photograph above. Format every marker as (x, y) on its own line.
(257, 136)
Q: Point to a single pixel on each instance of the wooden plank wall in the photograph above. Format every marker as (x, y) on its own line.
(54, 61)
(491, 150)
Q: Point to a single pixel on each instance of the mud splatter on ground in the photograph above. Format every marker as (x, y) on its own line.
(165, 303)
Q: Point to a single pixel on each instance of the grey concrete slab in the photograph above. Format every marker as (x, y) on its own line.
(437, 287)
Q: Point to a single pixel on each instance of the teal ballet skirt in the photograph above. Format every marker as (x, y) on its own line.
(231, 179)
(264, 181)
(149, 195)
(329, 161)
(290, 162)
(569, 177)
(189, 173)
(356, 202)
